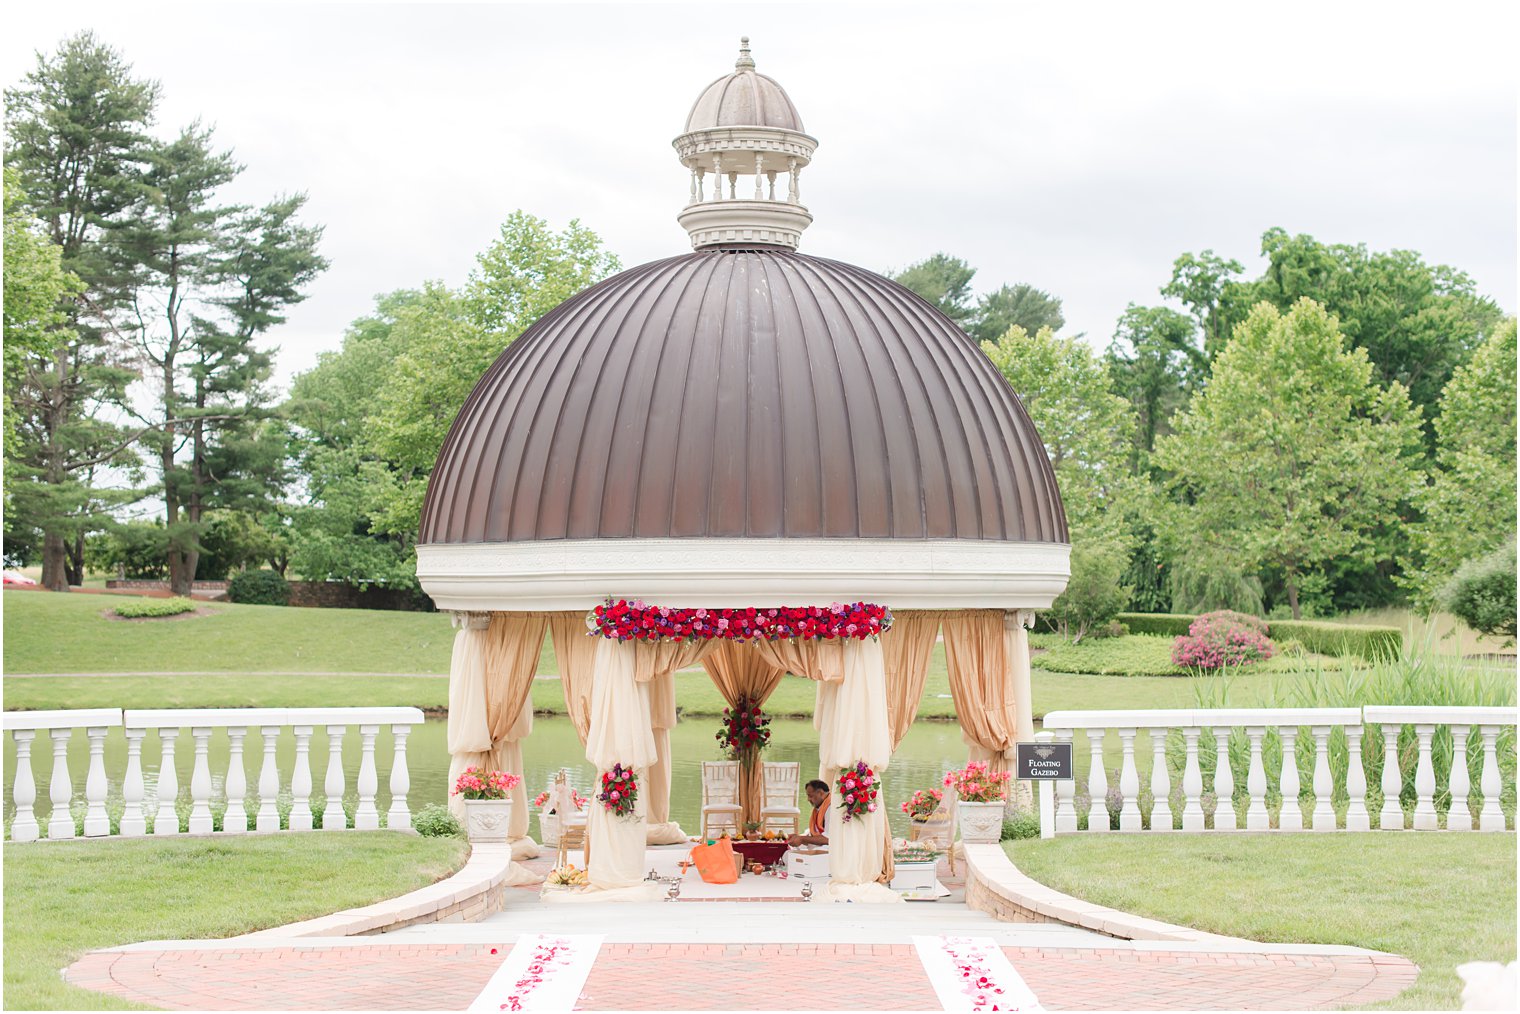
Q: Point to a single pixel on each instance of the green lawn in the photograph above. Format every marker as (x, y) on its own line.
(1437, 899)
(65, 899)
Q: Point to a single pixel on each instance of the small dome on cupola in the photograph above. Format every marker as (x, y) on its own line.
(743, 126)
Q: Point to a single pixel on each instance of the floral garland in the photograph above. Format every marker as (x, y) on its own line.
(620, 790)
(477, 783)
(623, 620)
(857, 790)
(746, 730)
(923, 804)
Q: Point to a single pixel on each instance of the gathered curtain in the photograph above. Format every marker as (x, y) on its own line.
(656, 665)
(576, 654)
(737, 670)
(905, 649)
(815, 660)
(981, 684)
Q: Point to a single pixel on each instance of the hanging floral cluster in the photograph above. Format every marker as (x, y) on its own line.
(746, 730)
(857, 790)
(637, 621)
(620, 790)
(477, 783)
(543, 797)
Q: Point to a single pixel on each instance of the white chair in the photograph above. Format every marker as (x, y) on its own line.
(720, 798)
(778, 803)
(572, 823)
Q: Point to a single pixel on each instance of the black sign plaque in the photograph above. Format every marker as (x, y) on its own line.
(1045, 761)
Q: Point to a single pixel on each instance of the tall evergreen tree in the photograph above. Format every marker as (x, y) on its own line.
(1022, 306)
(77, 129)
(944, 281)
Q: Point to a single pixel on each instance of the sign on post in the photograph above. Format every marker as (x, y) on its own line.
(1045, 762)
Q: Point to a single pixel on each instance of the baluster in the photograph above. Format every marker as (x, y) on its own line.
(1391, 817)
(134, 822)
(1459, 817)
(797, 184)
(1356, 783)
(1129, 785)
(791, 181)
(771, 179)
(701, 185)
(24, 827)
(1291, 816)
(1066, 792)
(333, 817)
(1491, 817)
(717, 172)
(1225, 818)
(1324, 785)
(398, 816)
(300, 781)
(759, 178)
(165, 819)
(733, 186)
(1425, 818)
(235, 817)
(1257, 818)
(1097, 782)
(200, 783)
(96, 823)
(690, 200)
(1161, 783)
(269, 782)
(61, 788)
(1192, 784)
(366, 817)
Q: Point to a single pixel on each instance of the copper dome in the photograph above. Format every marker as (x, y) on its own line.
(748, 392)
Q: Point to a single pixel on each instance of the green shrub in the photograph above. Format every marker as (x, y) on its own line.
(259, 588)
(1291, 648)
(1482, 592)
(1021, 824)
(1165, 624)
(1340, 639)
(137, 609)
(435, 821)
(1093, 594)
(1132, 655)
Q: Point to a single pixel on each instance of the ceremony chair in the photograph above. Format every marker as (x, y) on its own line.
(572, 824)
(939, 830)
(778, 800)
(720, 798)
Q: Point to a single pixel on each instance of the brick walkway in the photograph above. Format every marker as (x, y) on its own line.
(379, 976)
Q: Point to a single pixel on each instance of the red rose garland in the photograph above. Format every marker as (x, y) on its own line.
(857, 788)
(623, 620)
(620, 790)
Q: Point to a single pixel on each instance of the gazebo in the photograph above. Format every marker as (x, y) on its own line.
(743, 427)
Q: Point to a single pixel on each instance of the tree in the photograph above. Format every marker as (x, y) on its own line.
(1469, 506)
(1095, 593)
(447, 340)
(1292, 454)
(1482, 592)
(944, 281)
(1204, 283)
(77, 131)
(207, 281)
(1015, 306)
(1156, 365)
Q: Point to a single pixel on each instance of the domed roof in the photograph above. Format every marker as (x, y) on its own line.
(744, 99)
(748, 392)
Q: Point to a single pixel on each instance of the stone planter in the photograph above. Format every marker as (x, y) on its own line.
(915, 877)
(980, 823)
(486, 820)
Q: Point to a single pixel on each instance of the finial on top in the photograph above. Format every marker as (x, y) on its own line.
(745, 61)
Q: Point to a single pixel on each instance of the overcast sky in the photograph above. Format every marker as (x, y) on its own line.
(1076, 147)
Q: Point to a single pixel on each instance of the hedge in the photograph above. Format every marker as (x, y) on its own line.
(1166, 624)
(1371, 643)
(259, 588)
(1318, 636)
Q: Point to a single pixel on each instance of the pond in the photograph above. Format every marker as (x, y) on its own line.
(926, 752)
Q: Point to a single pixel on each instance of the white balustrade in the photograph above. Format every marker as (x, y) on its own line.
(204, 723)
(1468, 726)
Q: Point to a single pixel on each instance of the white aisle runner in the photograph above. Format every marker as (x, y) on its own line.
(973, 974)
(544, 971)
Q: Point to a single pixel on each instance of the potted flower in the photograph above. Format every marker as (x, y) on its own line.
(982, 793)
(923, 804)
(487, 808)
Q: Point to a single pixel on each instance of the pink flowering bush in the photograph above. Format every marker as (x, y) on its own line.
(1224, 638)
(978, 783)
(477, 783)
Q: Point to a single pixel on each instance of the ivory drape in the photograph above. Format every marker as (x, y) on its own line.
(981, 684)
(620, 734)
(738, 670)
(656, 665)
(576, 654)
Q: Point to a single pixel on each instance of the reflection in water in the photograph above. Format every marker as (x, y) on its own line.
(929, 749)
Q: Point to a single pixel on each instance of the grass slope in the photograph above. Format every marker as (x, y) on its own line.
(1439, 900)
(65, 899)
